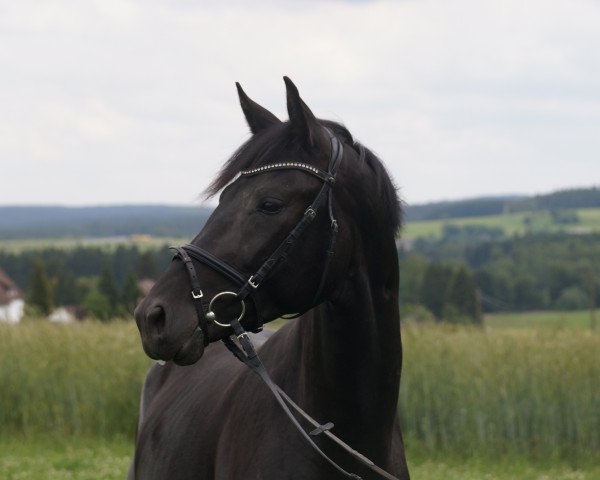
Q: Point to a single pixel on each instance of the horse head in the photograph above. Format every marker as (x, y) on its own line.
(280, 241)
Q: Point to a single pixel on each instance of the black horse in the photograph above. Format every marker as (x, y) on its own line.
(340, 360)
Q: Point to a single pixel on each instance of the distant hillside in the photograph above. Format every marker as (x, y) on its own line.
(474, 207)
(484, 206)
(574, 198)
(60, 222)
(177, 221)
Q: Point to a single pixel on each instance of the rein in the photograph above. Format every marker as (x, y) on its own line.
(249, 289)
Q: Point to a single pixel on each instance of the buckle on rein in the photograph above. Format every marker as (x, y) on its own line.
(252, 283)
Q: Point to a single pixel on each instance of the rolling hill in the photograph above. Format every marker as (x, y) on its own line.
(575, 211)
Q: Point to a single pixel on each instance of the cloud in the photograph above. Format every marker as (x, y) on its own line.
(108, 101)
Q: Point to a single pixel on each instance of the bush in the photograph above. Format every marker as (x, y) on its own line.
(572, 298)
(97, 305)
(416, 313)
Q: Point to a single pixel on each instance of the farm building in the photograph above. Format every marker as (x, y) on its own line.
(12, 300)
(145, 285)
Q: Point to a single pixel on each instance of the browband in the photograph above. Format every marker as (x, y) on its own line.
(326, 177)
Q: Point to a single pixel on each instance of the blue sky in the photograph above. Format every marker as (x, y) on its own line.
(107, 102)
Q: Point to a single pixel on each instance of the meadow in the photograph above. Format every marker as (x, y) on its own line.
(142, 242)
(510, 223)
(542, 320)
(494, 403)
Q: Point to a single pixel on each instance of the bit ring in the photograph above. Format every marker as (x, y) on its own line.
(212, 316)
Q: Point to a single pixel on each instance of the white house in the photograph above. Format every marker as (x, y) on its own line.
(62, 315)
(12, 300)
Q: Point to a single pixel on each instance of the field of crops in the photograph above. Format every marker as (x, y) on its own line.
(472, 400)
(510, 224)
(142, 242)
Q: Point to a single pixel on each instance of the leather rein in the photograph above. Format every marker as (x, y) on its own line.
(249, 287)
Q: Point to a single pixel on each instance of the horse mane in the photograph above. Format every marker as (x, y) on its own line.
(279, 139)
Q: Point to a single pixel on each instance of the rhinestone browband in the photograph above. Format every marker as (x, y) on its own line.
(285, 165)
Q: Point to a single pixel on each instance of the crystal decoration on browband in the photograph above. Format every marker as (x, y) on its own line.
(273, 166)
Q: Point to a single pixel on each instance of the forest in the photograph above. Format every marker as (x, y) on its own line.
(102, 281)
(452, 277)
(458, 274)
(532, 272)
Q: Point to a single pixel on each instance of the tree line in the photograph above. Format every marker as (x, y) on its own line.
(547, 271)
(469, 270)
(560, 200)
(438, 291)
(18, 222)
(101, 281)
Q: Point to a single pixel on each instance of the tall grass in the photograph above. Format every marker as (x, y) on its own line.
(539, 320)
(533, 392)
(70, 379)
(463, 389)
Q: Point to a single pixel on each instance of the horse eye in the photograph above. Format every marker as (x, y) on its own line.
(270, 206)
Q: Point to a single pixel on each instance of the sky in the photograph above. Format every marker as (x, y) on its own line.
(125, 102)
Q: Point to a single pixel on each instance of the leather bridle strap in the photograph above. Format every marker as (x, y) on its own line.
(197, 296)
(247, 355)
(215, 263)
(310, 213)
(248, 285)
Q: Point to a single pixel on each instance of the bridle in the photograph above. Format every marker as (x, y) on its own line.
(250, 288)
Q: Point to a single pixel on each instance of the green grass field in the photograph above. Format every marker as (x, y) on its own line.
(64, 458)
(90, 458)
(546, 320)
(511, 223)
(141, 242)
(493, 403)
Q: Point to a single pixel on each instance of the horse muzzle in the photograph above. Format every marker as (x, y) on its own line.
(168, 339)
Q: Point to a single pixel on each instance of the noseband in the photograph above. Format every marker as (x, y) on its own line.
(249, 287)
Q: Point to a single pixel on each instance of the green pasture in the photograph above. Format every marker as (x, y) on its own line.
(89, 458)
(55, 458)
(544, 320)
(510, 223)
(142, 242)
(494, 403)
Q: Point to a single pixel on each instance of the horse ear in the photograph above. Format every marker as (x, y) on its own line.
(302, 119)
(258, 118)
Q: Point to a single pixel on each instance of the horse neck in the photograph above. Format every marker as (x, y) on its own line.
(349, 355)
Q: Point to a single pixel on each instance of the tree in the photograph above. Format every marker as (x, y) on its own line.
(147, 266)
(98, 305)
(40, 288)
(65, 287)
(412, 271)
(462, 300)
(107, 286)
(130, 293)
(572, 298)
(434, 287)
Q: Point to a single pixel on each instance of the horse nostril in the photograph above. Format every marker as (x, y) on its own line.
(156, 318)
